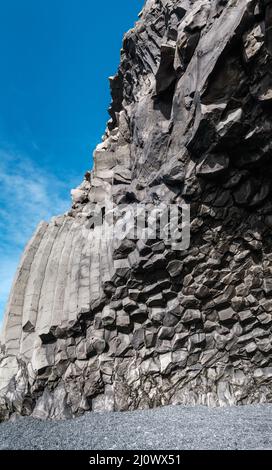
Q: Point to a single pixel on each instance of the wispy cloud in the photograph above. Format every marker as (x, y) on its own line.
(28, 194)
(8, 267)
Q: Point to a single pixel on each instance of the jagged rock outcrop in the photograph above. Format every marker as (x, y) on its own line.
(95, 322)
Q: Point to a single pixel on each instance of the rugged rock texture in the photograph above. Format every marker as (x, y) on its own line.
(95, 323)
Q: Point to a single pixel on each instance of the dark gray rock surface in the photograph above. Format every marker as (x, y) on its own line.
(97, 323)
(168, 428)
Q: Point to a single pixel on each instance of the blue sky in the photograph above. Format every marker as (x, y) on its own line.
(56, 57)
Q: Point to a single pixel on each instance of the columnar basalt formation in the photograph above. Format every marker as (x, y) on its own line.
(98, 323)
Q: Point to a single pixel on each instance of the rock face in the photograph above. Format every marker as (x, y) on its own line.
(117, 323)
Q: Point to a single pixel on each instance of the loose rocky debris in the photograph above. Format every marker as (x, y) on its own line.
(177, 428)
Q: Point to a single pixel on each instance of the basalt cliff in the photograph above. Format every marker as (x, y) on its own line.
(122, 323)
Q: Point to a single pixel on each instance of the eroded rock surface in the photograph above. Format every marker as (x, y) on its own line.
(95, 323)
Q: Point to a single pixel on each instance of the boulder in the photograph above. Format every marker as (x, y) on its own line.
(227, 315)
(213, 166)
(191, 316)
(175, 268)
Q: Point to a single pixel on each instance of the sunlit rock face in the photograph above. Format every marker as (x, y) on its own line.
(118, 323)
